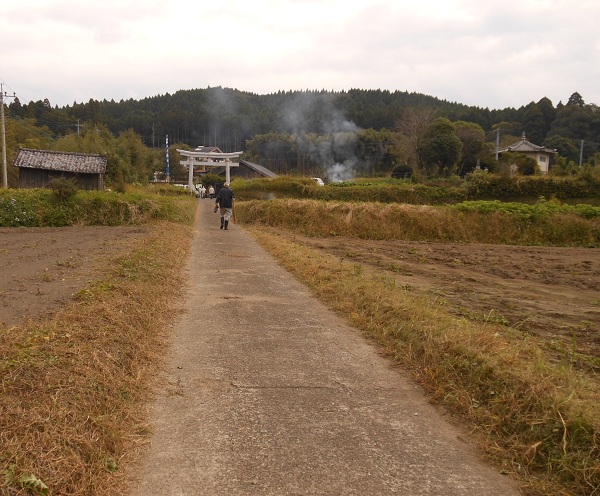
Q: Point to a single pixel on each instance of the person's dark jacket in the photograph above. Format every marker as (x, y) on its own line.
(225, 198)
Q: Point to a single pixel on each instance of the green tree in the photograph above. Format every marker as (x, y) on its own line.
(135, 157)
(311, 151)
(128, 160)
(212, 179)
(548, 112)
(375, 151)
(276, 151)
(576, 100)
(534, 124)
(441, 148)
(23, 133)
(520, 163)
(472, 137)
(179, 172)
(564, 167)
(566, 147)
(402, 171)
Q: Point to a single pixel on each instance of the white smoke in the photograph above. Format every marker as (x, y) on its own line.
(310, 113)
(313, 112)
(343, 144)
(338, 173)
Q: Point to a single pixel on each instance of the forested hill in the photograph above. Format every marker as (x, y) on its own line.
(226, 117)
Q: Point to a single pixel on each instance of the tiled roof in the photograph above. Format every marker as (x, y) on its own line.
(524, 146)
(207, 149)
(61, 161)
(258, 168)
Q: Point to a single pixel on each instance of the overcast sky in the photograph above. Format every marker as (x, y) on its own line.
(488, 53)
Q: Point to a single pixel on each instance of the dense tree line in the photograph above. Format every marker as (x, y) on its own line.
(309, 131)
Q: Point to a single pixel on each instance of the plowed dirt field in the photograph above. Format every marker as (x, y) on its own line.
(552, 293)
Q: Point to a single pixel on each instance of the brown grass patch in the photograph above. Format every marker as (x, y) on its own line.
(419, 223)
(73, 388)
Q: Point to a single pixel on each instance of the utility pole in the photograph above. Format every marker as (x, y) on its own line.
(581, 154)
(168, 167)
(497, 142)
(4, 169)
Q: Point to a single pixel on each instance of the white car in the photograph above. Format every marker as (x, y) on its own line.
(318, 180)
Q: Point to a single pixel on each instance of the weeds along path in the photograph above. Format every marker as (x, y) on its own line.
(76, 363)
(268, 392)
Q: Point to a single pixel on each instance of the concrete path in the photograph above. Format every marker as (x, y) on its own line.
(270, 393)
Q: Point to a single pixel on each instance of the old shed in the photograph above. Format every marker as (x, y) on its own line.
(38, 167)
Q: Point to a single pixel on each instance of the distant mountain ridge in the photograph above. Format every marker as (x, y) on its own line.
(226, 117)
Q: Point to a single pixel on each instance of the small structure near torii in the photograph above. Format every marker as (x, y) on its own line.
(204, 156)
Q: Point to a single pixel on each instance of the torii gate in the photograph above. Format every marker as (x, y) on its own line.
(198, 157)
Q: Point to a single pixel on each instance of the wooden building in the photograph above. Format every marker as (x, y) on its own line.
(38, 167)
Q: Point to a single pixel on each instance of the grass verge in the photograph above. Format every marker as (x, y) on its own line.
(538, 420)
(73, 388)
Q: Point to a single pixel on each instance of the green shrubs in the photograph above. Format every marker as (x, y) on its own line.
(402, 171)
(380, 190)
(539, 210)
(483, 185)
(62, 188)
(60, 207)
(479, 185)
(20, 208)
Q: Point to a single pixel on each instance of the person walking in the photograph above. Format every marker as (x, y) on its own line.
(211, 192)
(224, 201)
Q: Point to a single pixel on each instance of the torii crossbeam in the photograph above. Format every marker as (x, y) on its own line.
(198, 158)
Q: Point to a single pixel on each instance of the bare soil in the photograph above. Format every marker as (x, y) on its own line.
(550, 292)
(42, 268)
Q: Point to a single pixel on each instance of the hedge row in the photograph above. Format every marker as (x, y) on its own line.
(478, 186)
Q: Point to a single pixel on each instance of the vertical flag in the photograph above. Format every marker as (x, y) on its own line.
(168, 172)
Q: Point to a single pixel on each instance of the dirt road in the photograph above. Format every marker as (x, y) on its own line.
(269, 393)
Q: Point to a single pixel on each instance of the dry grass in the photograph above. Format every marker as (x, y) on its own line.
(419, 223)
(538, 420)
(73, 389)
